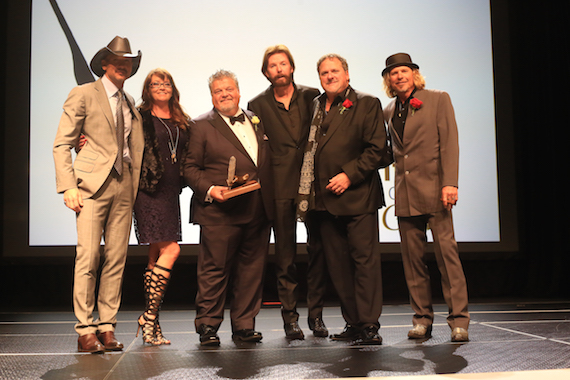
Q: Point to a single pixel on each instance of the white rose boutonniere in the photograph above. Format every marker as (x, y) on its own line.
(255, 121)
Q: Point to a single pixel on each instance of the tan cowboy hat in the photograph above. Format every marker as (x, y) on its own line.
(120, 47)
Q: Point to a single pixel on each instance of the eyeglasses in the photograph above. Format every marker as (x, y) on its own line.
(158, 85)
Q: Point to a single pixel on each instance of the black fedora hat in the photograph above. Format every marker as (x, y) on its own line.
(399, 59)
(120, 47)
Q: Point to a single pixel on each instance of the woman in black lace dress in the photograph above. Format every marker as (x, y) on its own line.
(157, 207)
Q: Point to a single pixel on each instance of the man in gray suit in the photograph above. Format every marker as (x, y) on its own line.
(100, 186)
(426, 151)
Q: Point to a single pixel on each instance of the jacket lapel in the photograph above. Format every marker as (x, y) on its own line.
(135, 114)
(103, 101)
(305, 124)
(217, 122)
(413, 120)
(389, 117)
(338, 119)
(259, 136)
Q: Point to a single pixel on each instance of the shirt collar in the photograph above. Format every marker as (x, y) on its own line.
(110, 87)
(408, 100)
(338, 99)
(293, 97)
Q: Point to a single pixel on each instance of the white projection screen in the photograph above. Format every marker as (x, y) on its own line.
(450, 40)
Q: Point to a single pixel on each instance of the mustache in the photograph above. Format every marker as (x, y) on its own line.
(278, 76)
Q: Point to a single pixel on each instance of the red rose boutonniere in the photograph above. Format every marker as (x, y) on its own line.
(345, 105)
(416, 104)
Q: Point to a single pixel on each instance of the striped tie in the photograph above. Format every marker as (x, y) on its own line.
(120, 132)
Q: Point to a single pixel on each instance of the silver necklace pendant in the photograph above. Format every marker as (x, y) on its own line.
(172, 146)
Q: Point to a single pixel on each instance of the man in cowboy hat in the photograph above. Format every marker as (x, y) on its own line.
(425, 144)
(100, 186)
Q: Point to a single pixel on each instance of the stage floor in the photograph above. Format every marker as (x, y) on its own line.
(525, 340)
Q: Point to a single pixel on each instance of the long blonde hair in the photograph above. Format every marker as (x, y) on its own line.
(419, 82)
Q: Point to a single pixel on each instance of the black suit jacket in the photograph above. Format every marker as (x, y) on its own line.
(355, 143)
(211, 144)
(286, 151)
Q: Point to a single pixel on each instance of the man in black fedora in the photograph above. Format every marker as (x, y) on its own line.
(426, 152)
(100, 185)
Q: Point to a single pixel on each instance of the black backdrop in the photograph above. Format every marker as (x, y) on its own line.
(534, 52)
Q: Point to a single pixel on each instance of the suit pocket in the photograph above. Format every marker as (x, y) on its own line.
(84, 166)
(87, 155)
(85, 160)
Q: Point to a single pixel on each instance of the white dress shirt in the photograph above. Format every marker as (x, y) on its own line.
(245, 134)
(111, 91)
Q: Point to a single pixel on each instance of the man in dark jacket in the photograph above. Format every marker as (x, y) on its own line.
(285, 108)
(340, 189)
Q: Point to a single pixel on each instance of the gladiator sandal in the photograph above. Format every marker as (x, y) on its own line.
(147, 325)
(147, 330)
(155, 285)
(162, 284)
(158, 334)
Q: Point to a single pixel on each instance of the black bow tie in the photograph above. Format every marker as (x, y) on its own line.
(240, 118)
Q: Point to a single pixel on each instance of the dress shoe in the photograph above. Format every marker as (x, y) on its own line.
(247, 335)
(369, 336)
(459, 334)
(208, 335)
(293, 331)
(420, 332)
(317, 325)
(350, 332)
(108, 340)
(89, 343)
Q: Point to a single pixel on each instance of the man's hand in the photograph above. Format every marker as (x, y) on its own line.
(217, 193)
(339, 183)
(449, 196)
(73, 199)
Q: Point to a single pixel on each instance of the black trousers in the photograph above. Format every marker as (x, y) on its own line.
(285, 230)
(352, 251)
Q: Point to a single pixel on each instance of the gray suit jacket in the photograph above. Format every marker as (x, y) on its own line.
(87, 111)
(427, 159)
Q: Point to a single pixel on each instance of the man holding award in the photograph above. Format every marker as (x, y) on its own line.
(228, 168)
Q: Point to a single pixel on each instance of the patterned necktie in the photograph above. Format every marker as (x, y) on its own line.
(306, 197)
(120, 132)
